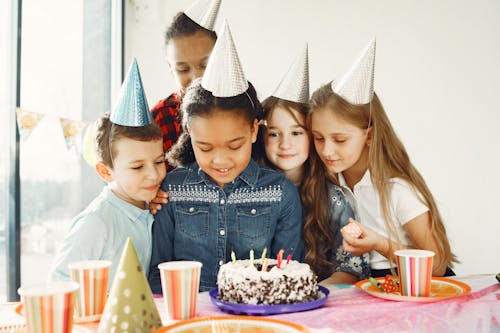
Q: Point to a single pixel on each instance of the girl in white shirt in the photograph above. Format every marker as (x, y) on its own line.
(357, 148)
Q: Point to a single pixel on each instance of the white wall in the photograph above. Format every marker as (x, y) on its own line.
(437, 73)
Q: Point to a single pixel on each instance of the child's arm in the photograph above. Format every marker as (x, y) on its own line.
(85, 240)
(162, 251)
(288, 232)
(340, 278)
(418, 230)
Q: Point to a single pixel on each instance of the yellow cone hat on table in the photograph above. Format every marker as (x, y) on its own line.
(204, 12)
(130, 306)
(356, 85)
(294, 86)
(224, 75)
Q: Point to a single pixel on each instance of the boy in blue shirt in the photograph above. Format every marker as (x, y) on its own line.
(131, 161)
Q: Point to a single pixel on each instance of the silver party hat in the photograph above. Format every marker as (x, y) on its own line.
(356, 86)
(294, 86)
(131, 108)
(204, 12)
(224, 76)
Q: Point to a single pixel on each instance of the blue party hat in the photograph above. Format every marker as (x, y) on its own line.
(131, 108)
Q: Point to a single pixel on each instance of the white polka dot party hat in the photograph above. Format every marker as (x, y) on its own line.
(130, 306)
(224, 76)
(294, 86)
(204, 12)
(356, 86)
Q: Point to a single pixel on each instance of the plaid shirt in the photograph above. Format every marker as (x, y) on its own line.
(166, 116)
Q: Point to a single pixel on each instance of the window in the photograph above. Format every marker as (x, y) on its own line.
(65, 73)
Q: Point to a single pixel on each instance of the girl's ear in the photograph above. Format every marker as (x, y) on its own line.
(104, 172)
(255, 130)
(369, 135)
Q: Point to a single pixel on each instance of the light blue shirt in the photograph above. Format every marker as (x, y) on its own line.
(100, 233)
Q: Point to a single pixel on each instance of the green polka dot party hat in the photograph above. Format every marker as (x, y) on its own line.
(130, 306)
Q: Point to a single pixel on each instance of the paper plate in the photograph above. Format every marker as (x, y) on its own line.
(76, 320)
(263, 309)
(441, 288)
(233, 324)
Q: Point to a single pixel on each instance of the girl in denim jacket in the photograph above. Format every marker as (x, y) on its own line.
(220, 200)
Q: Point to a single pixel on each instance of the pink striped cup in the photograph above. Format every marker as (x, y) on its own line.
(49, 308)
(92, 275)
(180, 281)
(415, 271)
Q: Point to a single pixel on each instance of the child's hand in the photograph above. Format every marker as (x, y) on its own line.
(365, 243)
(155, 204)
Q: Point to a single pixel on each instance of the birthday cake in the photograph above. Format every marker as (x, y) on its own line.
(241, 282)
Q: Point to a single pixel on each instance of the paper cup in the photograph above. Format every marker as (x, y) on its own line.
(180, 281)
(49, 308)
(92, 276)
(415, 272)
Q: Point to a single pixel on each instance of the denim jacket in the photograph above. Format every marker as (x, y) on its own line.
(341, 211)
(203, 222)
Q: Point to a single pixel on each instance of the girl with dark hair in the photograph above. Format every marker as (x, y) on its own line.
(220, 199)
(189, 40)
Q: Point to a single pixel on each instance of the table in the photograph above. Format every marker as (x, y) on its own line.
(349, 309)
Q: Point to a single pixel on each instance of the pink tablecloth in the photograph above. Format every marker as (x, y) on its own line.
(349, 309)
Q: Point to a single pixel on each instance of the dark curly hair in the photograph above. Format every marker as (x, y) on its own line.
(198, 102)
(182, 25)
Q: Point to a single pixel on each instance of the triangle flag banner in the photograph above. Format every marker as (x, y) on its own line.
(88, 145)
(27, 121)
(71, 130)
(130, 306)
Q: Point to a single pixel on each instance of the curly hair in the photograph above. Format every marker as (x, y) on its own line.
(200, 102)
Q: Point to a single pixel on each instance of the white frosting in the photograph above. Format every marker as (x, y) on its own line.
(240, 282)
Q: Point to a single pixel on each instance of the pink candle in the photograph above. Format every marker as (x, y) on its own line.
(288, 258)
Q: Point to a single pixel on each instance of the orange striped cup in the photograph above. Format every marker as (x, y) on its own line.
(415, 271)
(180, 281)
(49, 308)
(92, 275)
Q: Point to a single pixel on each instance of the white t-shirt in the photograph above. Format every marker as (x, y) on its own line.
(404, 204)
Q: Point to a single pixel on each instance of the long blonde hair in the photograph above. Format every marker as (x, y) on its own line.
(387, 158)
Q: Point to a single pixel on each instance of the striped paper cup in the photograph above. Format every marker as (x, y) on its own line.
(49, 308)
(92, 275)
(415, 271)
(180, 281)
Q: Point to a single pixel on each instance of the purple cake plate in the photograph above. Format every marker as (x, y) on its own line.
(263, 309)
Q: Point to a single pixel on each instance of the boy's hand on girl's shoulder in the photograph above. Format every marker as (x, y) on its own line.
(363, 243)
(155, 204)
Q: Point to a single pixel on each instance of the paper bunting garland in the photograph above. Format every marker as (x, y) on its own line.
(88, 145)
(27, 121)
(71, 130)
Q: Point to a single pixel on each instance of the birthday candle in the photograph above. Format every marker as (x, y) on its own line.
(288, 258)
(263, 255)
(280, 257)
(264, 265)
(251, 257)
(233, 256)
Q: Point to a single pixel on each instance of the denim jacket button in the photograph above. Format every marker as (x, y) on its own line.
(222, 201)
(222, 232)
(191, 209)
(221, 262)
(253, 211)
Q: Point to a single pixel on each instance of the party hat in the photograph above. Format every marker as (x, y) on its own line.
(356, 86)
(224, 76)
(294, 86)
(130, 306)
(131, 108)
(204, 12)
